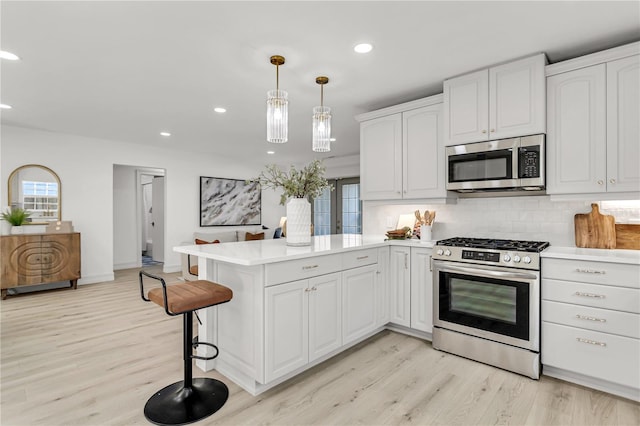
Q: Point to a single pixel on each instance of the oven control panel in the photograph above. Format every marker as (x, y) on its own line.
(487, 256)
(508, 258)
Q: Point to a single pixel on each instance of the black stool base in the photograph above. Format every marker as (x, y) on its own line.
(177, 405)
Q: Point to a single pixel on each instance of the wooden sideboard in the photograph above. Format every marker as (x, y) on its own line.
(31, 259)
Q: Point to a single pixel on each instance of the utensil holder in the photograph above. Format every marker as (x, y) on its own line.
(425, 233)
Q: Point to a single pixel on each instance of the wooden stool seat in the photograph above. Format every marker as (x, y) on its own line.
(192, 295)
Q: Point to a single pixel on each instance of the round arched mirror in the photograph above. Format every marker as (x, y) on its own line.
(36, 189)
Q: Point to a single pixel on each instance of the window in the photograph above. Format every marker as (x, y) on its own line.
(40, 197)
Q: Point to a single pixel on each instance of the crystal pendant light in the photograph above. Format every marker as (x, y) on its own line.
(321, 121)
(277, 108)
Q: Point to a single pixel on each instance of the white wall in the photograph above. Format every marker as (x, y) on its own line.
(533, 218)
(85, 168)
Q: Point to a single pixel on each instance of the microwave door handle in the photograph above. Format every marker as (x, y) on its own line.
(515, 160)
(484, 272)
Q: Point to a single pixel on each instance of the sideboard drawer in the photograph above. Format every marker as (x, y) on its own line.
(618, 274)
(598, 296)
(300, 269)
(602, 320)
(600, 355)
(354, 259)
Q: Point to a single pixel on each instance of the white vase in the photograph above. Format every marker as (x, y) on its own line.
(298, 222)
(16, 230)
(5, 227)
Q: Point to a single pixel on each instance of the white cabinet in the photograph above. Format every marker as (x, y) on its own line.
(382, 287)
(303, 322)
(359, 302)
(402, 154)
(591, 324)
(500, 102)
(623, 124)
(381, 158)
(400, 286)
(593, 139)
(421, 290)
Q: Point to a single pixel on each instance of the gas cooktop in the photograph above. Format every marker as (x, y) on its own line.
(491, 244)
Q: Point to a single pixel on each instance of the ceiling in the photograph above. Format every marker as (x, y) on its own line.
(128, 70)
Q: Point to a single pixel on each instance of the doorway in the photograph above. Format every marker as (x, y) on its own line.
(338, 211)
(138, 216)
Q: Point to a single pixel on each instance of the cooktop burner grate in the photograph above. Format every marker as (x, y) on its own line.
(493, 244)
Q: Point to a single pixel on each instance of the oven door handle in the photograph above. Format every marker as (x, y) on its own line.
(478, 271)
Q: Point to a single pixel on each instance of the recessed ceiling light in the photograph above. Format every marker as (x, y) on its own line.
(271, 152)
(165, 134)
(8, 55)
(363, 48)
(332, 139)
(5, 106)
(220, 110)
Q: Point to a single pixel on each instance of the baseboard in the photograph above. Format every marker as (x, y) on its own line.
(100, 278)
(127, 265)
(172, 268)
(591, 382)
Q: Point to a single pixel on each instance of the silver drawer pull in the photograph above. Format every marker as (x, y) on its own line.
(595, 296)
(309, 267)
(590, 271)
(584, 317)
(591, 342)
(362, 257)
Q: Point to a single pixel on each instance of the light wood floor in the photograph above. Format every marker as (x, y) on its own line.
(93, 356)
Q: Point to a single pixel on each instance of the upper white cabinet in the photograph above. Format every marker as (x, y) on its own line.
(401, 152)
(593, 138)
(500, 102)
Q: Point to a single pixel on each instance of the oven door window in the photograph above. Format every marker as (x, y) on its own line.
(490, 304)
(490, 165)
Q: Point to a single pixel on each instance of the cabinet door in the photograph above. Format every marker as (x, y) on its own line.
(286, 328)
(466, 108)
(382, 287)
(423, 153)
(623, 124)
(400, 286)
(60, 257)
(517, 98)
(325, 315)
(381, 158)
(358, 302)
(421, 290)
(576, 131)
(21, 260)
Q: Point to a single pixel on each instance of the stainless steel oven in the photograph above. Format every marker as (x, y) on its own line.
(487, 302)
(516, 164)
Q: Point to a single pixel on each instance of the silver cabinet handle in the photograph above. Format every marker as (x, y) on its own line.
(314, 288)
(600, 182)
(595, 296)
(584, 317)
(484, 131)
(362, 257)
(493, 130)
(590, 271)
(430, 264)
(307, 289)
(309, 267)
(591, 342)
(406, 266)
(612, 180)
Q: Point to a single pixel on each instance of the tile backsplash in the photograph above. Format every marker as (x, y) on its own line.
(534, 218)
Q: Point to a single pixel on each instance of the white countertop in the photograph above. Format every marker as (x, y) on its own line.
(597, 255)
(269, 251)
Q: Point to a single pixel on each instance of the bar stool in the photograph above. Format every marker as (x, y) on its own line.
(188, 400)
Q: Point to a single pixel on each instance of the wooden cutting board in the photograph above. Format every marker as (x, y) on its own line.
(627, 236)
(595, 230)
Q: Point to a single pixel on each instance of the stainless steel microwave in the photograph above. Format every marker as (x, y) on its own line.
(516, 164)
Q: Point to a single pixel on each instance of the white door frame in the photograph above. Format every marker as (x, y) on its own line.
(139, 172)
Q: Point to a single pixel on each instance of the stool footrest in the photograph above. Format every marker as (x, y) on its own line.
(195, 344)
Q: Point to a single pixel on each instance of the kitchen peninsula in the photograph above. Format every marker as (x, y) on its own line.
(294, 307)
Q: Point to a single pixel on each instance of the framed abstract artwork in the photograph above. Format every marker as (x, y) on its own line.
(228, 202)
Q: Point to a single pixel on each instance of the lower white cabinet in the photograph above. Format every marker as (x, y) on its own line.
(359, 302)
(382, 287)
(400, 286)
(591, 324)
(421, 290)
(303, 322)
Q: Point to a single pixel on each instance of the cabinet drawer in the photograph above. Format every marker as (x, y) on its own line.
(354, 259)
(618, 274)
(300, 269)
(602, 320)
(598, 296)
(600, 355)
